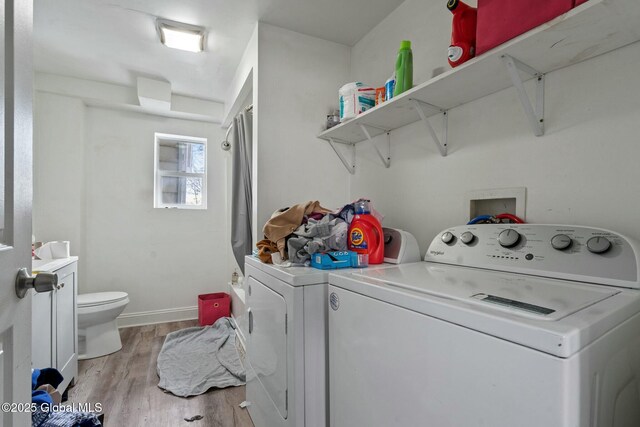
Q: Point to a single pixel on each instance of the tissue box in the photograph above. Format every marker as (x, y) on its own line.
(499, 20)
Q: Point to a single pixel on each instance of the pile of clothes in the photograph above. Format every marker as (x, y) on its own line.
(49, 410)
(293, 234)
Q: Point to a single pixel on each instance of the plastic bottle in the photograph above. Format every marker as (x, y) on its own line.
(463, 32)
(404, 68)
(365, 234)
(389, 87)
(355, 98)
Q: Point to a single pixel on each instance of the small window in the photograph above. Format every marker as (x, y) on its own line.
(180, 172)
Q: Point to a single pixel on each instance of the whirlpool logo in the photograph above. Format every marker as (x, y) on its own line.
(436, 253)
(334, 301)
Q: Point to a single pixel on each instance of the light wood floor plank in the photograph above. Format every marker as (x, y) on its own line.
(126, 383)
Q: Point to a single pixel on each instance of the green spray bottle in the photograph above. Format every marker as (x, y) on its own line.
(404, 68)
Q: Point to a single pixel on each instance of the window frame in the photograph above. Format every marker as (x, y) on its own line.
(159, 173)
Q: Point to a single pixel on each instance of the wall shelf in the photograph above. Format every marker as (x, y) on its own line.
(589, 30)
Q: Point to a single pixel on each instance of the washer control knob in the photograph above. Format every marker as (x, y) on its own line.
(598, 245)
(508, 238)
(447, 237)
(561, 242)
(467, 237)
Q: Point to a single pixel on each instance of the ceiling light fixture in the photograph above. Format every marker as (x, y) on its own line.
(181, 36)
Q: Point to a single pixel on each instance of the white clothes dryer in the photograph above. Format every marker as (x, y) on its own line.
(501, 326)
(287, 383)
(286, 345)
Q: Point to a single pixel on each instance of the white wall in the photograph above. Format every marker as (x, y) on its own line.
(427, 24)
(298, 77)
(582, 171)
(94, 186)
(58, 157)
(243, 80)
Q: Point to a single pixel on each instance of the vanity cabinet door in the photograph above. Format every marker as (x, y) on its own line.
(66, 360)
(55, 325)
(42, 332)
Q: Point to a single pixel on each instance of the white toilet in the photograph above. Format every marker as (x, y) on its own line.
(97, 328)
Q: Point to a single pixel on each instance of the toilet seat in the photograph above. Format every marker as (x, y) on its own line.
(100, 298)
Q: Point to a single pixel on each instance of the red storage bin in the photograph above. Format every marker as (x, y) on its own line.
(500, 20)
(211, 307)
(579, 2)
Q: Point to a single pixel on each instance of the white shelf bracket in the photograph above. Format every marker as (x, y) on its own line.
(441, 145)
(350, 165)
(534, 115)
(386, 161)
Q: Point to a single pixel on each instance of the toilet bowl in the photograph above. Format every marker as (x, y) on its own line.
(97, 328)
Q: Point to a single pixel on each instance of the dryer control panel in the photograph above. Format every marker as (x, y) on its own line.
(558, 251)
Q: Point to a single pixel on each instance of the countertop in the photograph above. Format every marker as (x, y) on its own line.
(40, 265)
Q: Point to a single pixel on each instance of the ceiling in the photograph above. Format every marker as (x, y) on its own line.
(115, 40)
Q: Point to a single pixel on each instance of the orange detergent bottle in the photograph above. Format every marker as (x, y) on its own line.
(365, 234)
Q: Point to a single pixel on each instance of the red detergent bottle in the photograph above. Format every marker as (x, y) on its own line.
(365, 234)
(463, 34)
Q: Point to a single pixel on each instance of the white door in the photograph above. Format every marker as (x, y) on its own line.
(16, 78)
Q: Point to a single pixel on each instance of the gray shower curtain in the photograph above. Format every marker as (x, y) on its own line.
(241, 208)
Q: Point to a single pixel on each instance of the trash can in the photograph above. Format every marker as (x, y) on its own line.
(211, 307)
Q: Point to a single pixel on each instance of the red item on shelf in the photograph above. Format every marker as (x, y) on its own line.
(211, 307)
(463, 32)
(579, 2)
(499, 20)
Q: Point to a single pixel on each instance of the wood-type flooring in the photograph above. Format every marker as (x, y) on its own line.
(126, 384)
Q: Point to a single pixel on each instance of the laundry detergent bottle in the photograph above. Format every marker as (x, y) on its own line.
(463, 32)
(404, 68)
(365, 234)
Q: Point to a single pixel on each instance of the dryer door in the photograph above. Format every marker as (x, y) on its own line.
(267, 348)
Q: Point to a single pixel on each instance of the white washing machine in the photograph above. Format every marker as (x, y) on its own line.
(501, 326)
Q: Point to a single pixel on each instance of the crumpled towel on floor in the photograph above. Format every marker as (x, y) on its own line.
(193, 360)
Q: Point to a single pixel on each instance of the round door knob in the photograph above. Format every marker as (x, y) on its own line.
(42, 282)
(508, 238)
(467, 237)
(560, 242)
(447, 237)
(598, 245)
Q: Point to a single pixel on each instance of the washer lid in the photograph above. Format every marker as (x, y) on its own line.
(555, 316)
(517, 294)
(100, 298)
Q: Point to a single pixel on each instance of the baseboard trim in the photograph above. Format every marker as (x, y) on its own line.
(152, 317)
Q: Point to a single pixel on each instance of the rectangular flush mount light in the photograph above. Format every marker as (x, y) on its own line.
(181, 36)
